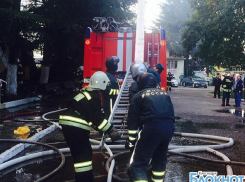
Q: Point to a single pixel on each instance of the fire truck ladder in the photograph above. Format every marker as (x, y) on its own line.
(153, 52)
(119, 112)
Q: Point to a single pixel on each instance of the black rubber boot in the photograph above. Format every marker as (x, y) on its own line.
(130, 175)
(227, 104)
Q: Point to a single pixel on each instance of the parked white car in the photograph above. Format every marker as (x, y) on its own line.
(174, 82)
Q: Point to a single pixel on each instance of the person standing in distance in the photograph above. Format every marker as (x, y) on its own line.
(181, 77)
(238, 86)
(227, 84)
(151, 110)
(169, 78)
(217, 84)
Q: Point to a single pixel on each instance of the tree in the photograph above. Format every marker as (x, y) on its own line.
(57, 28)
(173, 15)
(63, 32)
(217, 31)
(15, 25)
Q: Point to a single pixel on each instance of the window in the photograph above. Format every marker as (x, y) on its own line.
(172, 64)
(175, 64)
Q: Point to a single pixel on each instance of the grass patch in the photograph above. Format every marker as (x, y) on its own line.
(232, 94)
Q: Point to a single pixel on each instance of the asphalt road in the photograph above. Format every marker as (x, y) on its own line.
(197, 111)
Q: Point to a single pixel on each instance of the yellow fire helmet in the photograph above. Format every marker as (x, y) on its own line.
(22, 130)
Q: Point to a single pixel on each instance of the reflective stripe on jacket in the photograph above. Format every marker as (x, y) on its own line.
(84, 111)
(227, 84)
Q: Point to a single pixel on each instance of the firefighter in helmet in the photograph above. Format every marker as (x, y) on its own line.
(136, 69)
(83, 112)
(169, 78)
(152, 108)
(227, 84)
(112, 89)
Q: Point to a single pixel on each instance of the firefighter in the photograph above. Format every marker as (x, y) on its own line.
(169, 78)
(136, 69)
(112, 89)
(151, 108)
(83, 112)
(158, 68)
(156, 71)
(227, 84)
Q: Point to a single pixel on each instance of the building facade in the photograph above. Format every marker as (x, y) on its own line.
(175, 65)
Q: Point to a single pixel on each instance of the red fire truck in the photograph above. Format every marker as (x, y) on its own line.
(99, 46)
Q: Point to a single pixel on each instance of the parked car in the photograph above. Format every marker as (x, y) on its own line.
(194, 82)
(174, 82)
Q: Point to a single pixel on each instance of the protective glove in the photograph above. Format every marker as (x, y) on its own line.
(113, 133)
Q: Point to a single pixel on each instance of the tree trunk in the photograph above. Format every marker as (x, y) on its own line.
(11, 78)
(47, 54)
(11, 87)
(44, 74)
(4, 57)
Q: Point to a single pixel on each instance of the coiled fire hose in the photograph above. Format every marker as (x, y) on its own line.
(46, 177)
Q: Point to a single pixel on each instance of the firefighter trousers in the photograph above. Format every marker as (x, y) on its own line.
(226, 97)
(216, 90)
(77, 140)
(169, 86)
(152, 145)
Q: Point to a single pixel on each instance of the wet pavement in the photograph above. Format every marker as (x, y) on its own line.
(196, 112)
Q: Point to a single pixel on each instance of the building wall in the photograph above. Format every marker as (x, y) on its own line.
(175, 69)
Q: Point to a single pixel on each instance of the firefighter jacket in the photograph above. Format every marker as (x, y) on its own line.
(227, 84)
(133, 89)
(156, 74)
(112, 88)
(169, 78)
(84, 111)
(110, 93)
(148, 106)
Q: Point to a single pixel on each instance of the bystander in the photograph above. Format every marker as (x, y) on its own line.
(181, 77)
(238, 86)
(217, 83)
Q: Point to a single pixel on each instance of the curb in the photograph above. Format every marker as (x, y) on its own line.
(18, 102)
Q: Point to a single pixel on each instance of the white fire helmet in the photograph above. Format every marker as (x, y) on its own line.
(98, 80)
(137, 68)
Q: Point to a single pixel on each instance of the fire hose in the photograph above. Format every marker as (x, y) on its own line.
(48, 176)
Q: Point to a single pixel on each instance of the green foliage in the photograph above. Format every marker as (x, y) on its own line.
(219, 27)
(64, 30)
(173, 15)
(58, 25)
(14, 22)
